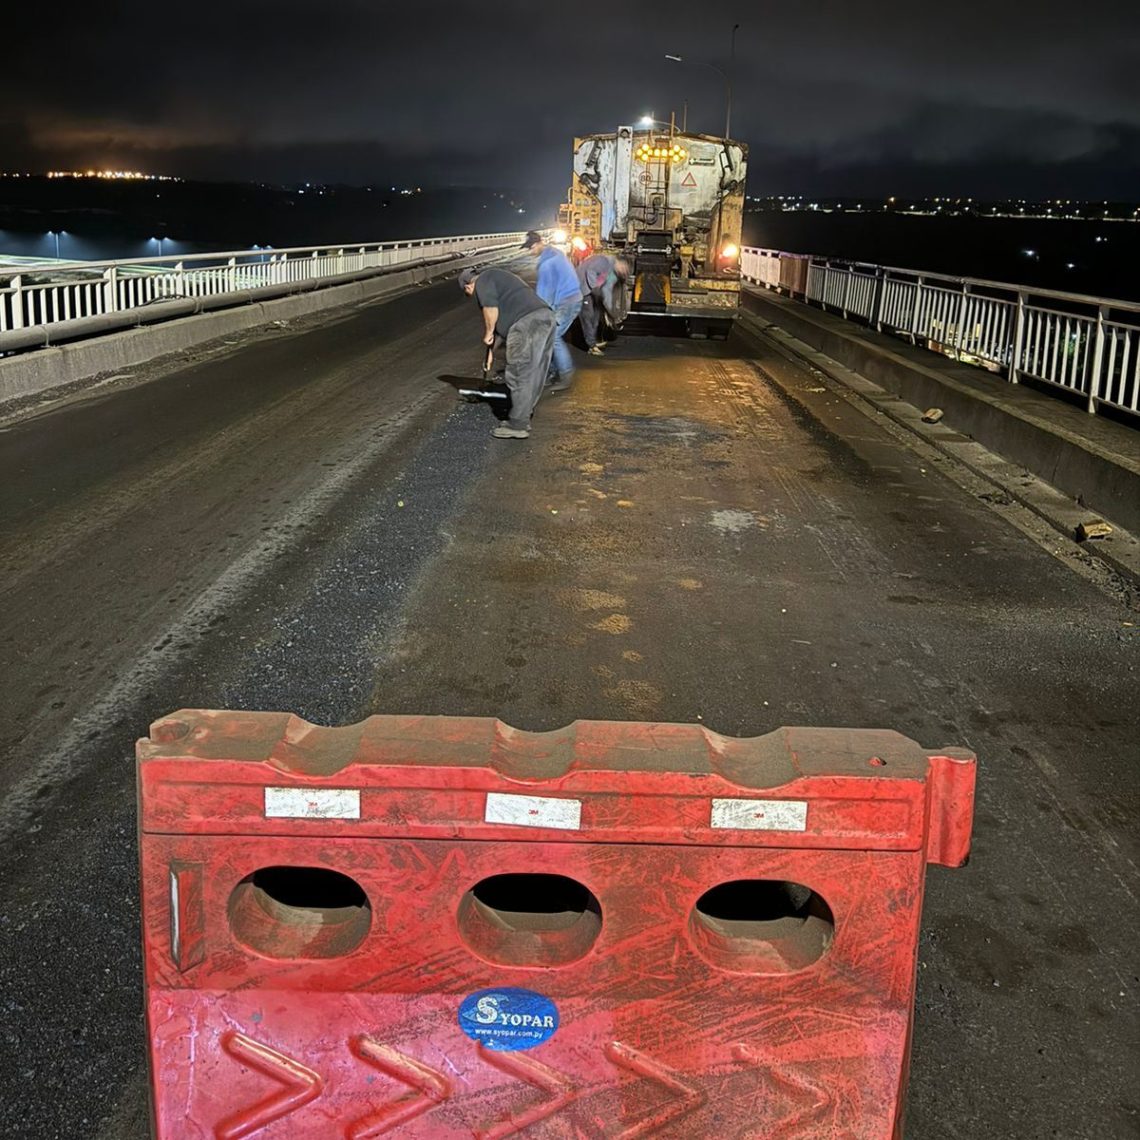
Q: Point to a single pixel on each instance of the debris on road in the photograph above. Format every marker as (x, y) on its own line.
(1093, 528)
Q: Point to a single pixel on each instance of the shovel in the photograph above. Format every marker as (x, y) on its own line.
(472, 394)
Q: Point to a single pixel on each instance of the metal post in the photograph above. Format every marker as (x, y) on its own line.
(17, 302)
(914, 315)
(110, 290)
(876, 315)
(1098, 360)
(847, 289)
(958, 332)
(1018, 338)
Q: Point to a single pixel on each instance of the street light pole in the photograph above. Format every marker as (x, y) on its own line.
(725, 75)
(731, 69)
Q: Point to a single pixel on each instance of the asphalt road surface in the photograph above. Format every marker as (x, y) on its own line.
(307, 519)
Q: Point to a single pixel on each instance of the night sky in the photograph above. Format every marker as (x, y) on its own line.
(981, 97)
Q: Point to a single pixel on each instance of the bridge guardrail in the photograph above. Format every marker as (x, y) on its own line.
(53, 298)
(1072, 341)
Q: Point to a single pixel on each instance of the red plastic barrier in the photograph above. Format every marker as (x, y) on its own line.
(444, 927)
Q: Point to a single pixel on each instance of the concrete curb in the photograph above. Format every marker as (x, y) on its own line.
(1019, 424)
(1121, 551)
(45, 369)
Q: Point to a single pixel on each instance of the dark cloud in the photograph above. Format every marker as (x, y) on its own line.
(478, 93)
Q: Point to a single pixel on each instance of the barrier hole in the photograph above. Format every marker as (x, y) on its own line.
(761, 926)
(299, 912)
(529, 919)
(877, 762)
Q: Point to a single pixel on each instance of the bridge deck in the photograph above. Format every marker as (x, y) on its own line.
(307, 519)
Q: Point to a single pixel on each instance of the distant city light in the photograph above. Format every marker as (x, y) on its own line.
(130, 175)
(1046, 210)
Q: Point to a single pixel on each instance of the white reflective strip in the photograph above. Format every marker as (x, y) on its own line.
(312, 803)
(175, 933)
(533, 811)
(759, 815)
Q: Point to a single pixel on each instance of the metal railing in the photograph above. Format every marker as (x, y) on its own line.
(1085, 345)
(52, 298)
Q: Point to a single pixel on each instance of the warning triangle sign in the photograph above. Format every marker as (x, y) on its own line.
(689, 180)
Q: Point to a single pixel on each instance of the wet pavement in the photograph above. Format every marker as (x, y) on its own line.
(306, 519)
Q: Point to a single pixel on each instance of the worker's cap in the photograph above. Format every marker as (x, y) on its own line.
(467, 276)
(533, 238)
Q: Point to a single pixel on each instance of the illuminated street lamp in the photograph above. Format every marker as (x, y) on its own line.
(57, 234)
(648, 122)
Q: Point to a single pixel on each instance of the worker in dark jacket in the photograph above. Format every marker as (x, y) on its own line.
(598, 275)
(559, 287)
(512, 310)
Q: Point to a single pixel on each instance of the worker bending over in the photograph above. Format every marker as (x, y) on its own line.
(513, 311)
(598, 275)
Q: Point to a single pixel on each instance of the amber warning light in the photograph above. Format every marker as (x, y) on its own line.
(658, 150)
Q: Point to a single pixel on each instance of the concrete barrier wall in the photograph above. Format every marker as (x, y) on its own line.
(44, 369)
(1104, 481)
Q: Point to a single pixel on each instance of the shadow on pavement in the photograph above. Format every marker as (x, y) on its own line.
(500, 403)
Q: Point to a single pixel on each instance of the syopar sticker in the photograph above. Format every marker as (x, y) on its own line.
(508, 1019)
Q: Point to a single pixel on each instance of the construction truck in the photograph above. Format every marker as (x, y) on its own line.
(672, 204)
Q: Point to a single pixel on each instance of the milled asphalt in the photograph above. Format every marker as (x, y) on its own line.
(307, 519)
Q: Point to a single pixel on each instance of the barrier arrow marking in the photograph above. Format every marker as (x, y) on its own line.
(793, 1079)
(688, 1100)
(301, 1086)
(429, 1085)
(535, 1073)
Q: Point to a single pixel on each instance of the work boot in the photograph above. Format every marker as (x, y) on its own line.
(595, 350)
(505, 431)
(561, 383)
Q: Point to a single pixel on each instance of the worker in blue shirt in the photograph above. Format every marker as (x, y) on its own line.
(558, 286)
